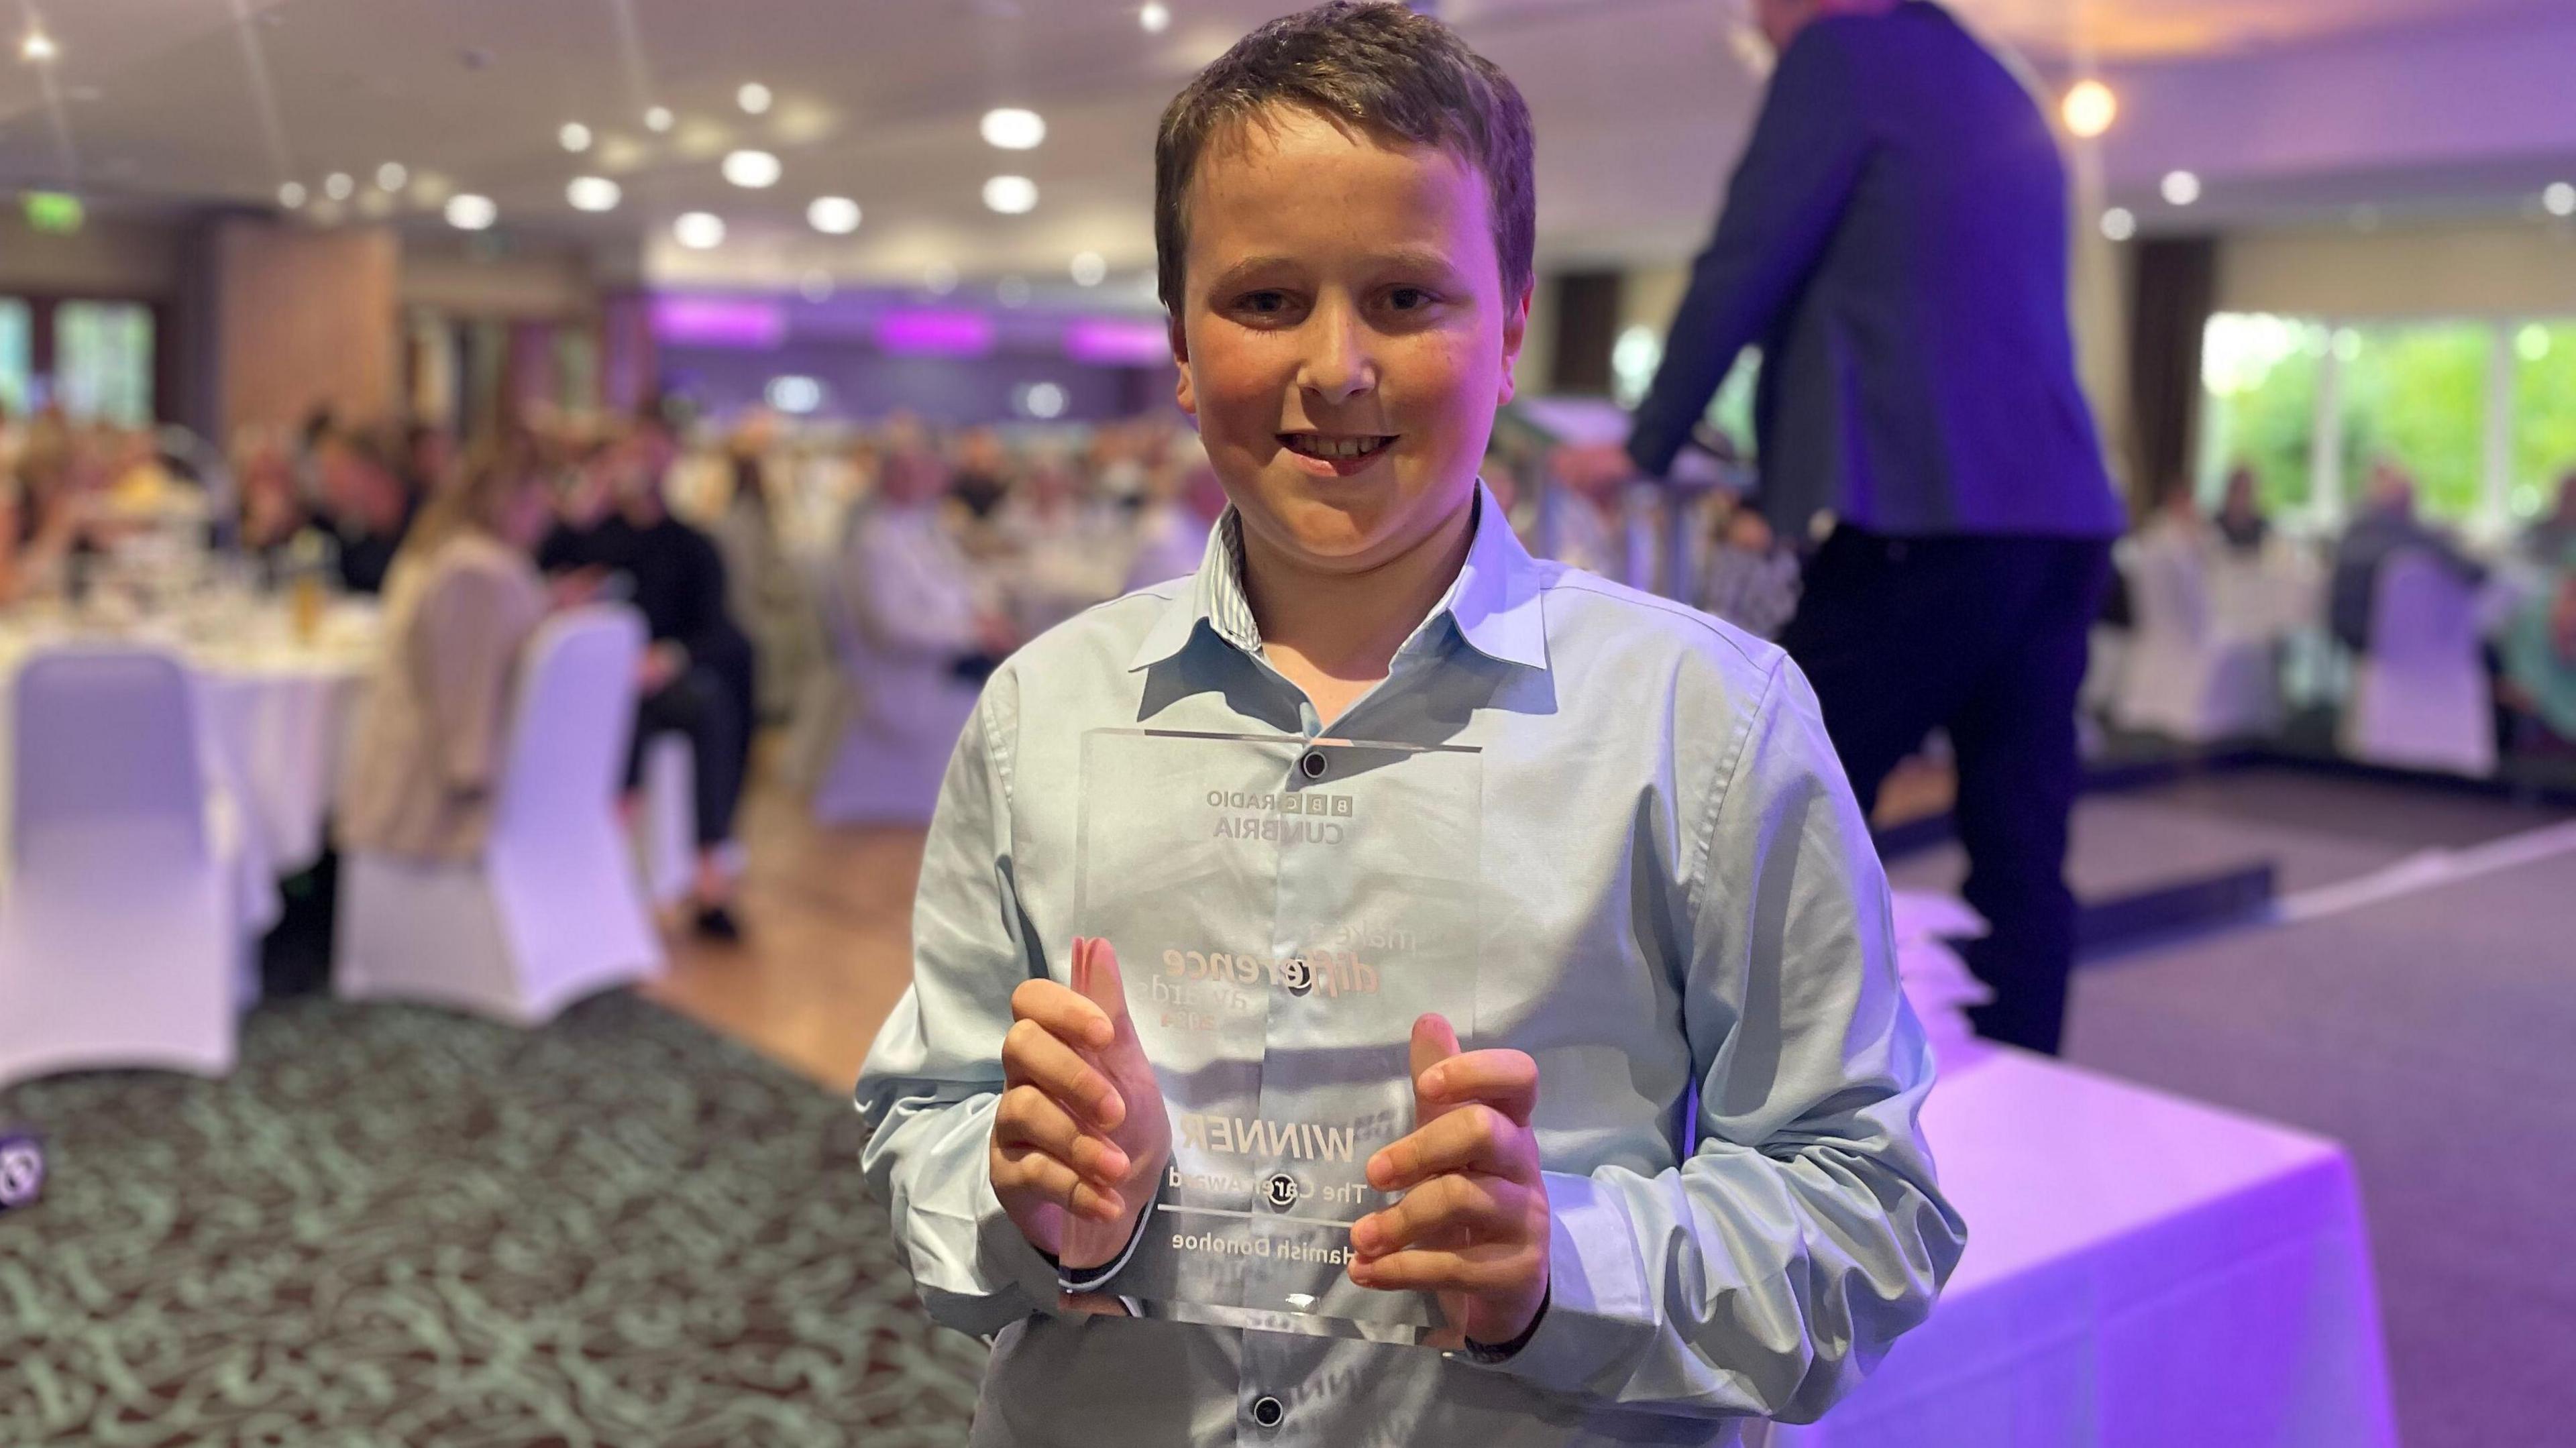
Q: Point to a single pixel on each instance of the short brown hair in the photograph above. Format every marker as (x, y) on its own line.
(1374, 66)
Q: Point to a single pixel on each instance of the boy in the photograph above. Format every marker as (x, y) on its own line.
(1680, 1184)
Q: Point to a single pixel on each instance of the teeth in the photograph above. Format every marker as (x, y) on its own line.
(1335, 447)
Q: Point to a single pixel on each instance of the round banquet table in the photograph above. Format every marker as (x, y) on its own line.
(273, 715)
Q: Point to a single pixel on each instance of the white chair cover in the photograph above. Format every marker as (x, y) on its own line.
(119, 942)
(2185, 677)
(666, 828)
(553, 911)
(2422, 699)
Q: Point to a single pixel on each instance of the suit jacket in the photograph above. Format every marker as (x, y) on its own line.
(428, 754)
(1895, 239)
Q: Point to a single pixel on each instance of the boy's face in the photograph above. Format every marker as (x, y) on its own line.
(1344, 336)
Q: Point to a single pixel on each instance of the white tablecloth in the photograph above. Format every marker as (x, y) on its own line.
(2141, 1272)
(274, 714)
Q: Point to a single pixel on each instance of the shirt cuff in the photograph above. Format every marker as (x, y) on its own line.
(1003, 1257)
(1079, 1280)
(1599, 1315)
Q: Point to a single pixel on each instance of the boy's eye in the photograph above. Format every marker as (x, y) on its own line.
(1408, 299)
(1265, 303)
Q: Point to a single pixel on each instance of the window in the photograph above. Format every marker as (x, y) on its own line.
(2544, 414)
(2416, 394)
(103, 360)
(2261, 375)
(17, 355)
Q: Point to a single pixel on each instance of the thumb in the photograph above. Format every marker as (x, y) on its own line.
(1434, 1041)
(1096, 979)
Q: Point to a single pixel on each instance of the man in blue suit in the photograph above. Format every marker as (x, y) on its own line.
(1895, 240)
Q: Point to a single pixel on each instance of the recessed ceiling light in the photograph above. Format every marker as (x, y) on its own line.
(469, 212)
(753, 98)
(1012, 291)
(2560, 198)
(699, 230)
(592, 193)
(2181, 188)
(833, 215)
(1011, 195)
(1013, 129)
(658, 119)
(291, 195)
(754, 169)
(392, 176)
(2119, 223)
(1089, 269)
(338, 186)
(38, 47)
(2090, 108)
(1156, 17)
(940, 278)
(574, 136)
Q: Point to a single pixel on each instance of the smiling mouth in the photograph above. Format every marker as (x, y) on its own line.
(1334, 449)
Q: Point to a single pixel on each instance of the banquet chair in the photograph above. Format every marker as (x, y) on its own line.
(120, 937)
(2186, 677)
(666, 825)
(552, 910)
(2421, 698)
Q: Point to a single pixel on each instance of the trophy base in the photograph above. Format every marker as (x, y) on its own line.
(1288, 1320)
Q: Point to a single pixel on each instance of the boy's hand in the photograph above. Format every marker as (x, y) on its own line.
(1473, 1224)
(1080, 1136)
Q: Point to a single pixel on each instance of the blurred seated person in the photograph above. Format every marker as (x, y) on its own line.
(1751, 579)
(620, 541)
(428, 458)
(1063, 551)
(272, 512)
(2240, 517)
(925, 640)
(764, 591)
(1183, 501)
(983, 474)
(2387, 525)
(461, 599)
(2540, 658)
(2551, 541)
(366, 505)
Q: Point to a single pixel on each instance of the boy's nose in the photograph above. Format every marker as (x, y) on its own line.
(1338, 364)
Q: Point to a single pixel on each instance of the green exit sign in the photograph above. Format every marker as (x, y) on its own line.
(55, 211)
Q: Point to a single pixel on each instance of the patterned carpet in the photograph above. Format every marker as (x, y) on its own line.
(398, 1226)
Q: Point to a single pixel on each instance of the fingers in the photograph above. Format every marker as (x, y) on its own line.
(1493, 1269)
(1446, 1211)
(1034, 1056)
(1021, 1172)
(1470, 1138)
(1066, 1015)
(1504, 1080)
(1433, 1042)
(1028, 1117)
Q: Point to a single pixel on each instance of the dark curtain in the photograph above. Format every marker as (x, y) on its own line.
(2174, 287)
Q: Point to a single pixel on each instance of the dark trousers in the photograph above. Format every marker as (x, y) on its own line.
(702, 705)
(1984, 636)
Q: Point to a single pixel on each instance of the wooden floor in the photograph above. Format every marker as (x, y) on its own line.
(827, 919)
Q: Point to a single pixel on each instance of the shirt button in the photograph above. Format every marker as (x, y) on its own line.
(1313, 764)
(1268, 1411)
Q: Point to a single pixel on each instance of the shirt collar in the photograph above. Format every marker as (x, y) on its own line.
(1494, 601)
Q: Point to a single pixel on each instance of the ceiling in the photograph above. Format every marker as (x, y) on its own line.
(1640, 105)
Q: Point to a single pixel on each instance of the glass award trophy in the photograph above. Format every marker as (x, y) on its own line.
(1283, 910)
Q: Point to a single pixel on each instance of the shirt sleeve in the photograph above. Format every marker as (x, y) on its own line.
(1781, 207)
(1770, 1270)
(934, 1075)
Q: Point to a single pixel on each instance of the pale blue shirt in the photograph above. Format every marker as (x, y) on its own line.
(1684, 923)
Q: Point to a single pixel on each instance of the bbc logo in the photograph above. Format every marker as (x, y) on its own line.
(1338, 805)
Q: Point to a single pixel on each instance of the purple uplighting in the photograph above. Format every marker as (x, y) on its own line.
(1114, 342)
(719, 322)
(935, 334)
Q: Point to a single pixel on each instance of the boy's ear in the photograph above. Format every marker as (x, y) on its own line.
(1515, 330)
(1181, 390)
